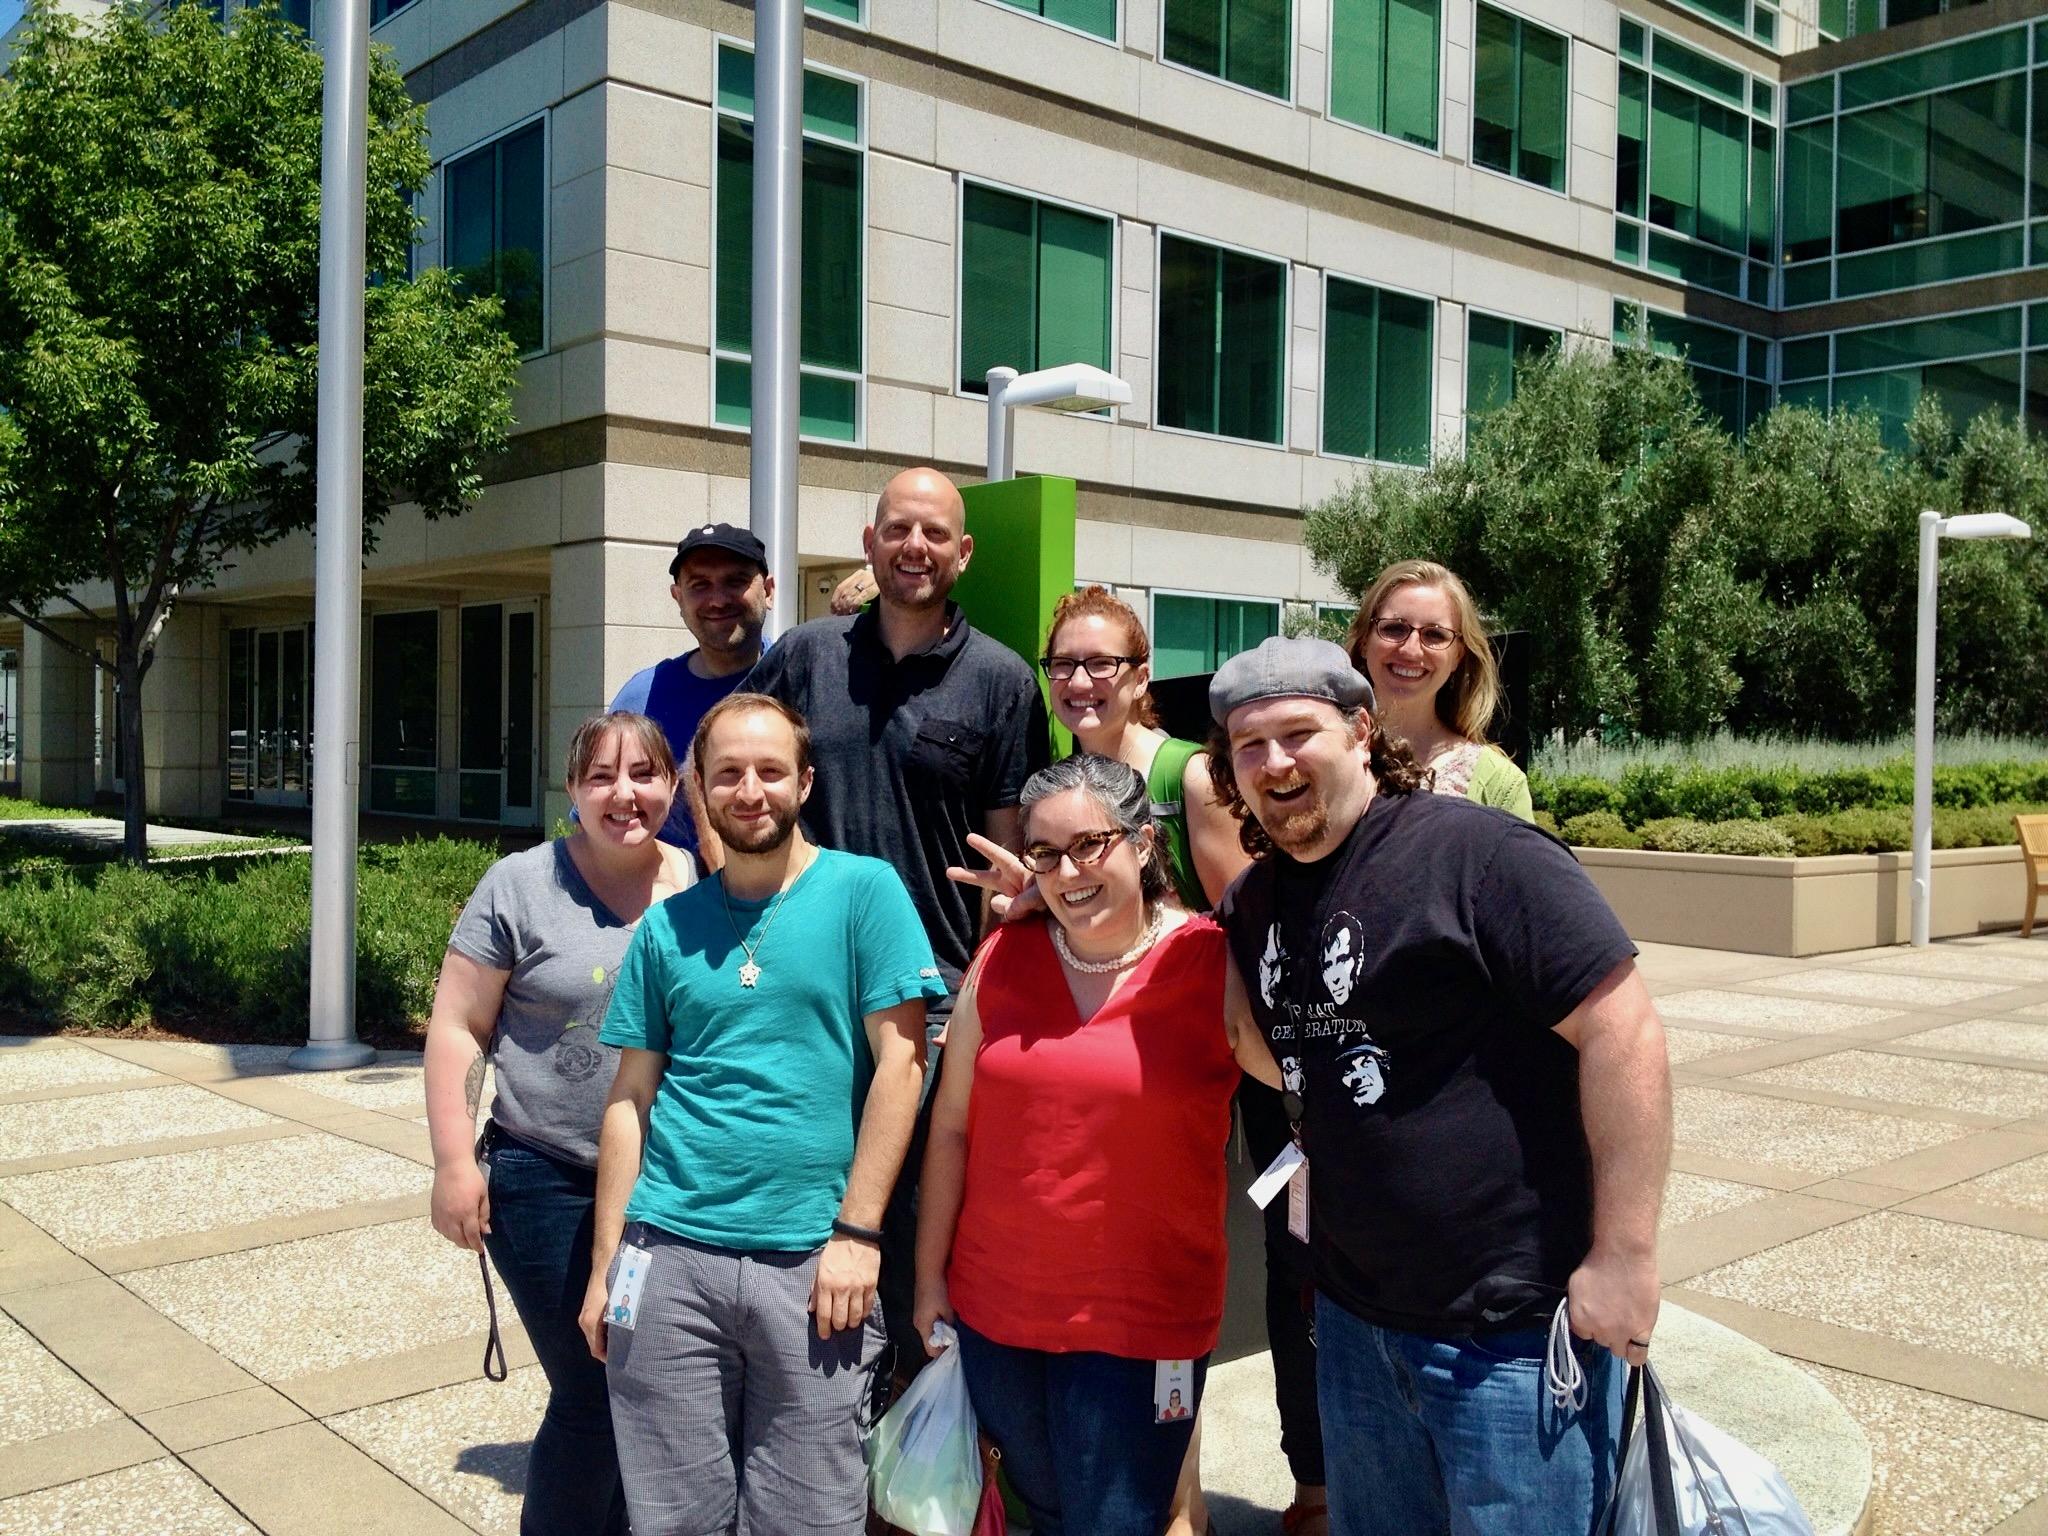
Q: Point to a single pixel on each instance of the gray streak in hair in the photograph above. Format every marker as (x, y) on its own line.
(1119, 791)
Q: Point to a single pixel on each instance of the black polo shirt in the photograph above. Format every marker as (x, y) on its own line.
(911, 755)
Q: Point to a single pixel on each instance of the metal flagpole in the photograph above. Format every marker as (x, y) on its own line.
(778, 237)
(338, 542)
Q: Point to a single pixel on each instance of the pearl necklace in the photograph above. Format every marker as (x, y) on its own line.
(1146, 940)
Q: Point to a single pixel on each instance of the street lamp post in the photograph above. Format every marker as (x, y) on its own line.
(1933, 529)
(1074, 387)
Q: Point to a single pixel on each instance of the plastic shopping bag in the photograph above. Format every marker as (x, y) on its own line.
(1680, 1476)
(924, 1458)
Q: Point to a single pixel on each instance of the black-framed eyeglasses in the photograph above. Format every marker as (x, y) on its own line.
(1088, 848)
(1434, 636)
(1101, 668)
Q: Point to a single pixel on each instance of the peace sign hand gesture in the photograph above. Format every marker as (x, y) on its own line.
(1012, 891)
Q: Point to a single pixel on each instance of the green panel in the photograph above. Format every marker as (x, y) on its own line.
(1632, 40)
(1257, 39)
(1540, 151)
(1933, 68)
(732, 393)
(1489, 363)
(1677, 62)
(1806, 358)
(833, 234)
(838, 10)
(1763, 190)
(1724, 176)
(1350, 369)
(1189, 304)
(1628, 242)
(1251, 355)
(1412, 62)
(1809, 191)
(1807, 285)
(1097, 17)
(735, 236)
(1934, 261)
(998, 285)
(1358, 62)
(1194, 34)
(1407, 366)
(1496, 88)
(1183, 635)
(1073, 288)
(1023, 559)
(1674, 158)
(1810, 99)
(1695, 264)
(1631, 138)
(1928, 341)
(827, 407)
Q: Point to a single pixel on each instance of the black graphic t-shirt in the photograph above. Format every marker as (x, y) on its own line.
(1409, 984)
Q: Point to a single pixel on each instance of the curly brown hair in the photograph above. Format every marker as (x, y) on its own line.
(1101, 603)
(1392, 763)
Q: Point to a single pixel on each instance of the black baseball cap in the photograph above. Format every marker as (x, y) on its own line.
(729, 537)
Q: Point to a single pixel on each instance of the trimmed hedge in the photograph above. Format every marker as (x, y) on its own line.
(1885, 829)
(108, 946)
(1647, 792)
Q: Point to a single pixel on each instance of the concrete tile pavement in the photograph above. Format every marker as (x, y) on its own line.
(221, 1308)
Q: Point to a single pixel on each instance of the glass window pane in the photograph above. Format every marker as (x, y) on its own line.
(831, 107)
(998, 295)
(1697, 264)
(240, 682)
(1194, 34)
(1810, 99)
(1489, 363)
(1806, 358)
(1628, 242)
(1073, 288)
(1183, 635)
(521, 213)
(1809, 191)
(1358, 62)
(1968, 390)
(405, 669)
(1094, 16)
(2035, 410)
(1976, 156)
(1189, 296)
(1541, 158)
(2040, 137)
(1763, 190)
(1494, 89)
(736, 80)
(1631, 133)
(1933, 68)
(1251, 356)
(1928, 341)
(1350, 368)
(1810, 284)
(732, 393)
(1674, 158)
(1724, 176)
(831, 258)
(1935, 261)
(1407, 365)
(1696, 69)
(1242, 625)
(479, 740)
(735, 238)
(1257, 40)
(1632, 40)
(839, 10)
(1881, 197)
(472, 199)
(1412, 59)
(826, 407)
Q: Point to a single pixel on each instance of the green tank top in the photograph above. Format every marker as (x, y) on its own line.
(1163, 784)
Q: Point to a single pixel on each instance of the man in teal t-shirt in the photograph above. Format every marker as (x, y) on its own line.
(771, 1021)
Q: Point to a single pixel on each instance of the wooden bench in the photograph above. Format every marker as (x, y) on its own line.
(2033, 831)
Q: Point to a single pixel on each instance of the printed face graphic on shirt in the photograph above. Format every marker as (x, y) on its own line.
(1272, 966)
(1343, 956)
(1290, 1074)
(1364, 1072)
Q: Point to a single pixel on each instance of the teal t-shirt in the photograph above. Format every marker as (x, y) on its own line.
(751, 1133)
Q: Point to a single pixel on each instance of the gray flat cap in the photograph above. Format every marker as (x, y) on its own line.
(1302, 666)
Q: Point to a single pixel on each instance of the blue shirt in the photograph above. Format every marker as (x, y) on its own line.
(750, 1137)
(676, 698)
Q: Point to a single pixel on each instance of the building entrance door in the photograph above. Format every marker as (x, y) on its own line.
(270, 687)
(500, 709)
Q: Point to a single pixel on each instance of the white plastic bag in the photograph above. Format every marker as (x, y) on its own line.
(1680, 1476)
(924, 1458)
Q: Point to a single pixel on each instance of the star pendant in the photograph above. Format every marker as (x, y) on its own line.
(749, 973)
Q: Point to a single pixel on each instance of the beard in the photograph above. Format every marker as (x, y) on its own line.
(761, 837)
(1298, 823)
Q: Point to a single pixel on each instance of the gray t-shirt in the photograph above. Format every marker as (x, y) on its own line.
(534, 915)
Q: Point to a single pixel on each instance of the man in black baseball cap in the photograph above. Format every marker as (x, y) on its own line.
(720, 582)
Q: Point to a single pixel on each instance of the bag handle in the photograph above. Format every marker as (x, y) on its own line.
(1663, 1491)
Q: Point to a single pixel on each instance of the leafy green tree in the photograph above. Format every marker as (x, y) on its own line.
(159, 262)
(1672, 582)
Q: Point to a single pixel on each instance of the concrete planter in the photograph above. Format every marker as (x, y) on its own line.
(1802, 906)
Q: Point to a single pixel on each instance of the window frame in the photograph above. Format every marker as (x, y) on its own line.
(1292, 98)
(1116, 41)
(1443, 49)
(544, 117)
(861, 147)
(1153, 594)
(1436, 304)
(1280, 444)
(961, 179)
(1472, 98)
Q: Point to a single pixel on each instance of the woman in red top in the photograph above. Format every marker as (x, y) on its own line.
(1071, 1216)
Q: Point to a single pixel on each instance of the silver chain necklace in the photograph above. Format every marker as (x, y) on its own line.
(1103, 967)
(750, 971)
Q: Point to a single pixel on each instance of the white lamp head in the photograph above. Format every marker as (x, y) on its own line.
(1074, 387)
(1985, 525)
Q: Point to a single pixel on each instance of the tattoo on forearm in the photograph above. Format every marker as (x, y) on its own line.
(473, 1084)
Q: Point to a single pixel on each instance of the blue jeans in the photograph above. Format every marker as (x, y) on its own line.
(1077, 1435)
(1428, 1436)
(540, 1244)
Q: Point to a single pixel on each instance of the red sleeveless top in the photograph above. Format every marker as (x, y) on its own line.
(1092, 1217)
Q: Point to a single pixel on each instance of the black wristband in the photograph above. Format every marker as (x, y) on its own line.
(859, 1234)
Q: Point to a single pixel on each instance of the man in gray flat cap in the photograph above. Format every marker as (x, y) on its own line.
(1478, 1079)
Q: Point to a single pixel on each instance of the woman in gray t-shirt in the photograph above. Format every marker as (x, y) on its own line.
(528, 974)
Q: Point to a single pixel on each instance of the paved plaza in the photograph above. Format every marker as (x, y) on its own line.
(222, 1309)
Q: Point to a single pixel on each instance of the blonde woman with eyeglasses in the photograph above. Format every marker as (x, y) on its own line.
(1420, 641)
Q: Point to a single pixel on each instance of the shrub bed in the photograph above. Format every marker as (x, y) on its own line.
(108, 946)
(1874, 829)
(1645, 792)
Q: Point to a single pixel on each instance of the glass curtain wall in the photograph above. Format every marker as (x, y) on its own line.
(1385, 67)
(1247, 42)
(1730, 370)
(1035, 285)
(1695, 171)
(1852, 18)
(1379, 358)
(495, 227)
(1221, 362)
(831, 261)
(1914, 170)
(1520, 92)
(1494, 348)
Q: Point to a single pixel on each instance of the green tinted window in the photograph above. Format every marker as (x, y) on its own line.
(1243, 41)
(1493, 348)
(1199, 634)
(1093, 16)
(1384, 58)
(1809, 191)
(1941, 261)
(1933, 68)
(1810, 99)
(1631, 140)
(1699, 178)
(1378, 360)
(1034, 286)
(1519, 99)
(1763, 189)
(838, 10)
(1680, 63)
(1222, 336)
(1937, 165)
(831, 105)
(2040, 137)
(1806, 358)
(1926, 341)
(494, 220)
